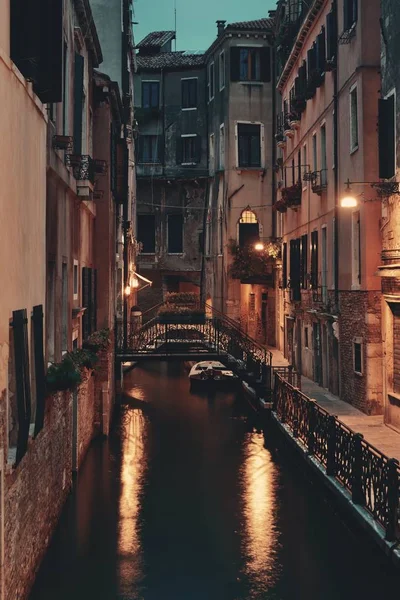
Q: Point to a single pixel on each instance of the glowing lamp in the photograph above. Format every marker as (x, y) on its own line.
(128, 290)
(348, 201)
(259, 246)
(135, 282)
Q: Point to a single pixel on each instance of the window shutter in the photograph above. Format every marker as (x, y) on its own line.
(321, 50)
(314, 259)
(37, 319)
(331, 36)
(21, 358)
(235, 64)
(78, 102)
(85, 302)
(198, 148)
(265, 59)
(93, 301)
(387, 159)
(284, 266)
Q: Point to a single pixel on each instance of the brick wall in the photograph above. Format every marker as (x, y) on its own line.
(104, 391)
(86, 415)
(361, 317)
(35, 493)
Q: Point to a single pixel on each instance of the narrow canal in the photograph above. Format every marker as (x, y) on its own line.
(188, 501)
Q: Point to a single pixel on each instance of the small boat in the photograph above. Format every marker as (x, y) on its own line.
(209, 371)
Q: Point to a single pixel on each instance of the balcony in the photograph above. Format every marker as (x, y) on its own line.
(319, 181)
(291, 196)
(84, 170)
(314, 81)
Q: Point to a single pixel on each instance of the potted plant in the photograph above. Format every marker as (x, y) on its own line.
(175, 314)
(63, 376)
(280, 206)
(292, 195)
(97, 341)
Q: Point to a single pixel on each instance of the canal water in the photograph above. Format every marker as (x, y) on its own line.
(188, 500)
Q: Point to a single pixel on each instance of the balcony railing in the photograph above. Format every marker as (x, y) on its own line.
(319, 181)
(83, 166)
(292, 195)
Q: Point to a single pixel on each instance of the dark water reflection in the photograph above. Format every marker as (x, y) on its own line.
(187, 501)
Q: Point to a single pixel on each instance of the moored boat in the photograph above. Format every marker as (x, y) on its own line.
(211, 371)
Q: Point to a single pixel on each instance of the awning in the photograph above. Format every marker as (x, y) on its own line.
(389, 270)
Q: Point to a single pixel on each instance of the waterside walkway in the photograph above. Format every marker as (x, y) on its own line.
(373, 429)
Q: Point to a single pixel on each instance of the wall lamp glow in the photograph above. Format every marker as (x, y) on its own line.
(385, 189)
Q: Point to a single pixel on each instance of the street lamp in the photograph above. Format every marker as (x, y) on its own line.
(385, 189)
(259, 246)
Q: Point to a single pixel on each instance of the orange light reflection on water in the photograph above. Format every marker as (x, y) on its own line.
(261, 537)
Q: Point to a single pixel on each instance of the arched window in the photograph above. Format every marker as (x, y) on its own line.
(248, 228)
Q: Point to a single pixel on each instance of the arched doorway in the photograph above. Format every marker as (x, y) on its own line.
(249, 232)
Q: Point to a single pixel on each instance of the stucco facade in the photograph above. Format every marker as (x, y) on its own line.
(240, 112)
(329, 82)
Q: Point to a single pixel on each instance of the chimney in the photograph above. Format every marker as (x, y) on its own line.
(220, 27)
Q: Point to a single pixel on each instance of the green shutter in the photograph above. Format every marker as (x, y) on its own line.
(21, 358)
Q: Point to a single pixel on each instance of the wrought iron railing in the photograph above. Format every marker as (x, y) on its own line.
(83, 166)
(372, 479)
(319, 181)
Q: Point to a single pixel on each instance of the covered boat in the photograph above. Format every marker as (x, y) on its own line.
(211, 371)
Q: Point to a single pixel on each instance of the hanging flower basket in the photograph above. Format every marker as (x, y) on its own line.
(292, 195)
(280, 206)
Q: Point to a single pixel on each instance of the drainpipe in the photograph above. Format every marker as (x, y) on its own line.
(336, 162)
(273, 153)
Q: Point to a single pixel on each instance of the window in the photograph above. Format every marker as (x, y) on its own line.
(250, 64)
(324, 264)
(64, 309)
(284, 266)
(149, 149)
(357, 355)
(222, 70)
(356, 250)
(222, 147)
(189, 93)
(189, 149)
(248, 229)
(387, 137)
(331, 36)
(65, 102)
(146, 233)
(150, 94)
(305, 166)
(314, 260)
(76, 280)
(175, 234)
(295, 269)
(249, 145)
(350, 10)
(323, 156)
(353, 120)
(211, 81)
(306, 341)
(396, 348)
(315, 153)
(303, 261)
(212, 152)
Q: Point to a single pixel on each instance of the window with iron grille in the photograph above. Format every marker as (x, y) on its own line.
(150, 94)
(249, 145)
(189, 93)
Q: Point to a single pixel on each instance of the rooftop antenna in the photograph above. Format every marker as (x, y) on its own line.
(175, 21)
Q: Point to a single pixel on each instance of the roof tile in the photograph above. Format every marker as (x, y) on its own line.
(156, 39)
(258, 24)
(170, 60)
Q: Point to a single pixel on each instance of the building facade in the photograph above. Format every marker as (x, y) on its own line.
(389, 155)
(326, 132)
(240, 108)
(171, 166)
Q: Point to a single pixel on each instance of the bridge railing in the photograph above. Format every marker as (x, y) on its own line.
(372, 479)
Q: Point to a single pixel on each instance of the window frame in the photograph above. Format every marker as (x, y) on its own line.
(353, 90)
(211, 152)
(357, 340)
(356, 273)
(75, 279)
(185, 136)
(222, 70)
(251, 79)
(157, 159)
(186, 108)
(143, 252)
(182, 234)
(211, 81)
(150, 81)
(262, 147)
(221, 156)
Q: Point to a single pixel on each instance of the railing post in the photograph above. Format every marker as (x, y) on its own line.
(311, 426)
(298, 380)
(331, 447)
(357, 494)
(392, 527)
(295, 430)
